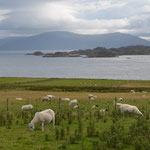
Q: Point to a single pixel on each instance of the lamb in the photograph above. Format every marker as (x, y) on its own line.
(91, 96)
(27, 107)
(132, 91)
(76, 106)
(75, 101)
(65, 99)
(44, 117)
(128, 108)
(144, 92)
(51, 97)
(103, 110)
(95, 106)
(46, 98)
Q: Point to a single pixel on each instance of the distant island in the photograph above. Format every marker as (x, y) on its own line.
(99, 52)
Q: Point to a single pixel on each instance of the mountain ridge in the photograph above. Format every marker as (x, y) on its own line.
(62, 40)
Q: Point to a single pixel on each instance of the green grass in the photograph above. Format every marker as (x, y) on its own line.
(15, 135)
(79, 82)
(15, 80)
(18, 136)
(53, 84)
(61, 82)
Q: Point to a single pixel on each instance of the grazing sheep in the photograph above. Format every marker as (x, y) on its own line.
(44, 117)
(121, 99)
(51, 97)
(75, 101)
(144, 92)
(19, 98)
(65, 99)
(128, 108)
(27, 107)
(91, 96)
(76, 106)
(132, 91)
(46, 98)
(95, 106)
(103, 110)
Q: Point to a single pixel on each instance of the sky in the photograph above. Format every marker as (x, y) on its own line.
(30, 17)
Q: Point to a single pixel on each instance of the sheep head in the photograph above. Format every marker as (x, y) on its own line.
(31, 126)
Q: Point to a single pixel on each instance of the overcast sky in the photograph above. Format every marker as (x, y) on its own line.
(27, 17)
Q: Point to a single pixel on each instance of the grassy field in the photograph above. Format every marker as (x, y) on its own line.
(97, 85)
(76, 129)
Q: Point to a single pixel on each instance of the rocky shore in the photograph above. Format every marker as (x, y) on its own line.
(99, 52)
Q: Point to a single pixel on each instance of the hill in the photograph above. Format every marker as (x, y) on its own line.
(68, 41)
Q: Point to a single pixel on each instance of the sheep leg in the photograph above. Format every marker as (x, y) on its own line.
(42, 126)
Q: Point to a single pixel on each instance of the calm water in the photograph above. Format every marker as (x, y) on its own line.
(17, 64)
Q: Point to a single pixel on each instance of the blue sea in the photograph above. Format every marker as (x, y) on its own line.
(18, 64)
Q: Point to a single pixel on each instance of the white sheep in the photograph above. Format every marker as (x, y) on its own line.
(128, 108)
(121, 99)
(95, 106)
(91, 96)
(132, 91)
(46, 98)
(27, 107)
(76, 106)
(51, 97)
(74, 101)
(19, 98)
(44, 117)
(103, 110)
(65, 99)
(144, 92)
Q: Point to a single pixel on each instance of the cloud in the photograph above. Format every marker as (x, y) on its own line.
(99, 5)
(19, 17)
(145, 38)
(3, 13)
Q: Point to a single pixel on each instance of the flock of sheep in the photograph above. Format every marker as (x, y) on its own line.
(47, 116)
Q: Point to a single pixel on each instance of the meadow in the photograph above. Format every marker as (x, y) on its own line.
(76, 129)
(58, 84)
